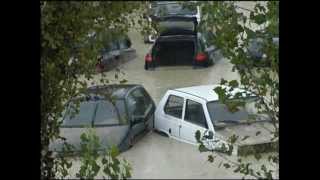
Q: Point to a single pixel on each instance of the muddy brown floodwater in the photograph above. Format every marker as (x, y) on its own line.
(155, 156)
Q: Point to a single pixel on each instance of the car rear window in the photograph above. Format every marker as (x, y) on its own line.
(81, 118)
(107, 113)
(174, 9)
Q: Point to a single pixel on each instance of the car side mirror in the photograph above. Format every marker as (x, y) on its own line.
(220, 125)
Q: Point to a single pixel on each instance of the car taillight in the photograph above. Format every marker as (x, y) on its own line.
(201, 57)
(148, 58)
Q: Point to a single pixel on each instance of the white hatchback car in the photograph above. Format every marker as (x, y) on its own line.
(181, 112)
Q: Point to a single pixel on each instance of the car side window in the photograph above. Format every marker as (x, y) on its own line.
(194, 114)
(139, 102)
(174, 106)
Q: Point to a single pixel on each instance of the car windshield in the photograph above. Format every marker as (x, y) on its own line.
(219, 112)
(81, 118)
(173, 9)
(107, 113)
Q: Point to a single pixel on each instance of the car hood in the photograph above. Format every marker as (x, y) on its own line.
(108, 136)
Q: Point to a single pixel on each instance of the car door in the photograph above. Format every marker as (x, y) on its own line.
(141, 107)
(194, 119)
(170, 117)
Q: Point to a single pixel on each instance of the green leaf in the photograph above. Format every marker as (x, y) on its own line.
(202, 148)
(84, 137)
(123, 81)
(232, 139)
(258, 132)
(211, 158)
(223, 81)
(226, 165)
(198, 135)
(114, 151)
(257, 156)
(244, 138)
(104, 160)
(234, 83)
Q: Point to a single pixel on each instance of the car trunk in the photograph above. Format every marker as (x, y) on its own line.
(174, 52)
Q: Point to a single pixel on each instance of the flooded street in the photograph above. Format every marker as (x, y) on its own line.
(158, 81)
(155, 156)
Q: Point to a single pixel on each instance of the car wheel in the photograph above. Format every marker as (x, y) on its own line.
(206, 64)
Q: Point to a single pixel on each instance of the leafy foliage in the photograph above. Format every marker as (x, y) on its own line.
(72, 35)
(234, 29)
(111, 165)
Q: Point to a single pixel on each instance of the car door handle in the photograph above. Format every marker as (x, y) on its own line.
(180, 126)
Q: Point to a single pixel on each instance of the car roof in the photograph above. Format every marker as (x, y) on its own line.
(118, 91)
(205, 92)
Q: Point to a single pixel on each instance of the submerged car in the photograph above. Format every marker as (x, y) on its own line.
(182, 112)
(120, 114)
(180, 43)
(255, 53)
(158, 9)
(117, 51)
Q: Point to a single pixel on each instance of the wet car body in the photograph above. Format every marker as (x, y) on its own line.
(120, 120)
(255, 51)
(115, 52)
(180, 42)
(183, 111)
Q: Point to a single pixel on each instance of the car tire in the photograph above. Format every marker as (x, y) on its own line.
(206, 64)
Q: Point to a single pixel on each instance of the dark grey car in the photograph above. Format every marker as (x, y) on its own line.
(120, 122)
(114, 53)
